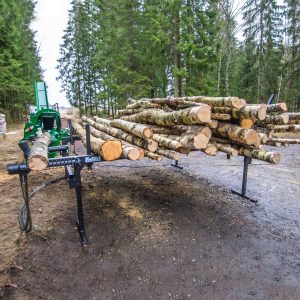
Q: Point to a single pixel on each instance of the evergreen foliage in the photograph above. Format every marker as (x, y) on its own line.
(19, 61)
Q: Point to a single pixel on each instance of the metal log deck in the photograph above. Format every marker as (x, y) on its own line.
(73, 166)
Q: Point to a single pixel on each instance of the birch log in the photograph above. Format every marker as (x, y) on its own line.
(107, 150)
(171, 144)
(226, 148)
(294, 118)
(38, 158)
(122, 135)
(287, 128)
(236, 133)
(280, 119)
(194, 115)
(276, 108)
(267, 156)
(283, 141)
(133, 128)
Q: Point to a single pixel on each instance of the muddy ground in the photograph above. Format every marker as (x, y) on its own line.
(156, 232)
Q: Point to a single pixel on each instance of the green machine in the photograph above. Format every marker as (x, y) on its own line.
(43, 118)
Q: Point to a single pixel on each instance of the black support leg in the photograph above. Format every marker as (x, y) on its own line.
(80, 219)
(176, 165)
(247, 162)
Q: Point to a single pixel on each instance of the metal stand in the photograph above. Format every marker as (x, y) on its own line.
(247, 162)
(228, 156)
(80, 219)
(176, 165)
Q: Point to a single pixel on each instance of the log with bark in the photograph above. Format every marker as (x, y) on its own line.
(38, 158)
(287, 128)
(267, 156)
(221, 117)
(168, 153)
(195, 115)
(128, 151)
(226, 148)
(274, 119)
(253, 112)
(133, 128)
(170, 144)
(122, 135)
(107, 150)
(276, 108)
(233, 102)
(285, 140)
(153, 156)
(294, 118)
(191, 140)
(236, 133)
(210, 149)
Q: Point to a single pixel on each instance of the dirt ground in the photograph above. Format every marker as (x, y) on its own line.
(156, 232)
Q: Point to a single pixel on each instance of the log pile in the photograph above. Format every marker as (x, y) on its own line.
(168, 127)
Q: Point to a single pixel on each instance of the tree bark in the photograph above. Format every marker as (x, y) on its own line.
(194, 115)
(133, 128)
(168, 153)
(226, 148)
(38, 158)
(294, 118)
(222, 117)
(153, 156)
(288, 141)
(275, 119)
(276, 108)
(122, 135)
(267, 156)
(287, 128)
(168, 143)
(210, 149)
(236, 133)
(253, 112)
(232, 102)
(107, 150)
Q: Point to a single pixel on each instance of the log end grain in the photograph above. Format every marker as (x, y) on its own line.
(200, 113)
(246, 123)
(111, 150)
(148, 133)
(201, 141)
(37, 163)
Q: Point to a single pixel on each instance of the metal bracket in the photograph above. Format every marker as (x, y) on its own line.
(247, 162)
(176, 165)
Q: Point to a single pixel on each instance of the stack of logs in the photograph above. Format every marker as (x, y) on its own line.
(166, 127)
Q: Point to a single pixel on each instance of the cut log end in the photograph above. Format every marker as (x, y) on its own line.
(37, 163)
(246, 123)
(148, 133)
(201, 114)
(111, 150)
(200, 141)
(251, 137)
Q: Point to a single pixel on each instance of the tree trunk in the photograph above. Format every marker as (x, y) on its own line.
(274, 119)
(210, 149)
(120, 134)
(133, 128)
(194, 115)
(231, 102)
(153, 156)
(222, 117)
(253, 112)
(168, 153)
(226, 148)
(191, 140)
(107, 150)
(294, 118)
(128, 151)
(169, 143)
(288, 141)
(38, 158)
(267, 156)
(276, 108)
(236, 133)
(287, 128)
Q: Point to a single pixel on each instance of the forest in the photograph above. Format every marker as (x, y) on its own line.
(115, 50)
(19, 60)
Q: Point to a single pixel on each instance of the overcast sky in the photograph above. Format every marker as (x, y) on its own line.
(51, 19)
